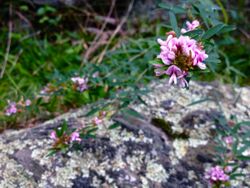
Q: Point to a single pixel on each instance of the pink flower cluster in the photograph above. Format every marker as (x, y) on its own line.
(228, 140)
(216, 174)
(191, 26)
(53, 135)
(179, 55)
(45, 90)
(80, 83)
(74, 136)
(13, 107)
(99, 119)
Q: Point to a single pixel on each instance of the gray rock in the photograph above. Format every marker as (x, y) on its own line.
(137, 154)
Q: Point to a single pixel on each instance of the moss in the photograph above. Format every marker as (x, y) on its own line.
(166, 127)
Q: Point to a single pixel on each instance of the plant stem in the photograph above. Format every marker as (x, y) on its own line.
(224, 12)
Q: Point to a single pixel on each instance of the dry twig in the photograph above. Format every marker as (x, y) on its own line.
(118, 28)
(99, 37)
(8, 42)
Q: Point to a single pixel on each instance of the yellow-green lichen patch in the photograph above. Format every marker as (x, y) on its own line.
(156, 172)
(14, 175)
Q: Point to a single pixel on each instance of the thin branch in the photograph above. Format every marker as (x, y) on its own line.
(99, 37)
(6, 57)
(118, 28)
(106, 21)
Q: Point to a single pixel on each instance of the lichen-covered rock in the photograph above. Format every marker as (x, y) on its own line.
(138, 153)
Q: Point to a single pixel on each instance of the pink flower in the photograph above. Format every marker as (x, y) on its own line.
(216, 174)
(28, 102)
(228, 169)
(179, 55)
(194, 24)
(228, 140)
(46, 90)
(159, 72)
(103, 113)
(81, 83)
(75, 136)
(53, 135)
(173, 71)
(97, 121)
(96, 74)
(11, 109)
(191, 26)
(182, 81)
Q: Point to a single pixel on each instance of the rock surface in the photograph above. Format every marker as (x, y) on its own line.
(136, 154)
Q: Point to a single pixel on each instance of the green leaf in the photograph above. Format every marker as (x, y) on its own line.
(243, 158)
(132, 112)
(233, 176)
(175, 9)
(41, 11)
(237, 71)
(92, 130)
(227, 28)
(61, 130)
(235, 146)
(193, 33)
(113, 126)
(142, 101)
(93, 111)
(64, 127)
(51, 152)
(24, 7)
(245, 123)
(90, 136)
(173, 22)
(200, 101)
(242, 149)
(212, 31)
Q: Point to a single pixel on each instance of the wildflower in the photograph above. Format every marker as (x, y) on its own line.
(228, 169)
(228, 140)
(46, 89)
(28, 102)
(75, 136)
(11, 109)
(191, 26)
(97, 120)
(179, 55)
(182, 81)
(53, 135)
(216, 174)
(80, 83)
(96, 74)
(102, 114)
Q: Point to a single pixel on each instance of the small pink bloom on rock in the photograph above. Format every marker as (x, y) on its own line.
(75, 136)
(97, 121)
(53, 135)
(216, 174)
